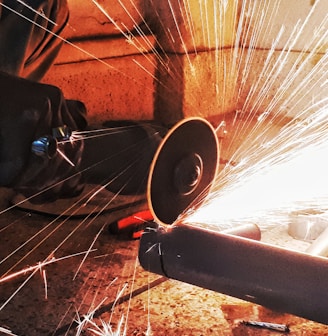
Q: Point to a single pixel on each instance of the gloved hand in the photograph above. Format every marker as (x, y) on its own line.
(28, 111)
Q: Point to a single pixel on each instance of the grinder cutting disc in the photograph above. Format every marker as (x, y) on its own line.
(183, 169)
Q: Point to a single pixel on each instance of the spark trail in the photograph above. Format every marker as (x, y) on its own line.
(284, 175)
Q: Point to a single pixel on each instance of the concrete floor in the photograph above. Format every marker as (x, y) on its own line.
(107, 284)
(169, 307)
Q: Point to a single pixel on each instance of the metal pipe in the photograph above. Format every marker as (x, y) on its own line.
(320, 246)
(250, 231)
(271, 276)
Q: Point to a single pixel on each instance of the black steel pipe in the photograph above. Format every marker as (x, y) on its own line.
(280, 279)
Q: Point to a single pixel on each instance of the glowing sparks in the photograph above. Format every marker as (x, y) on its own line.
(6, 331)
(38, 267)
(65, 157)
(40, 13)
(106, 328)
(287, 174)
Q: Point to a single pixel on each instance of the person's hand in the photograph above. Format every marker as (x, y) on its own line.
(30, 111)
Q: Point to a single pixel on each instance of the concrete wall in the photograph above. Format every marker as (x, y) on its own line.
(109, 76)
(196, 58)
(103, 18)
(262, 56)
(292, 77)
(104, 62)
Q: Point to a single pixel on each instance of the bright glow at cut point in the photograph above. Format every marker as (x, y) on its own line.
(285, 175)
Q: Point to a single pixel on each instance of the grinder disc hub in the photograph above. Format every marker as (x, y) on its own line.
(188, 173)
(182, 169)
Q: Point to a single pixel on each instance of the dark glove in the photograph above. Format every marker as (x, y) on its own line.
(30, 111)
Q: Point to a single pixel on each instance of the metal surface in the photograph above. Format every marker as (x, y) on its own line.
(183, 169)
(250, 231)
(280, 279)
(320, 246)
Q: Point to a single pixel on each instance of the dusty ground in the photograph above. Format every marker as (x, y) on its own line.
(107, 285)
(169, 308)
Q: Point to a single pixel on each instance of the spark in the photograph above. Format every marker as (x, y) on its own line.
(183, 44)
(65, 157)
(131, 294)
(40, 193)
(17, 290)
(90, 250)
(101, 229)
(130, 38)
(39, 266)
(87, 318)
(103, 187)
(44, 277)
(97, 133)
(6, 331)
(106, 328)
(72, 44)
(58, 36)
(40, 13)
(289, 177)
(75, 210)
(153, 247)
